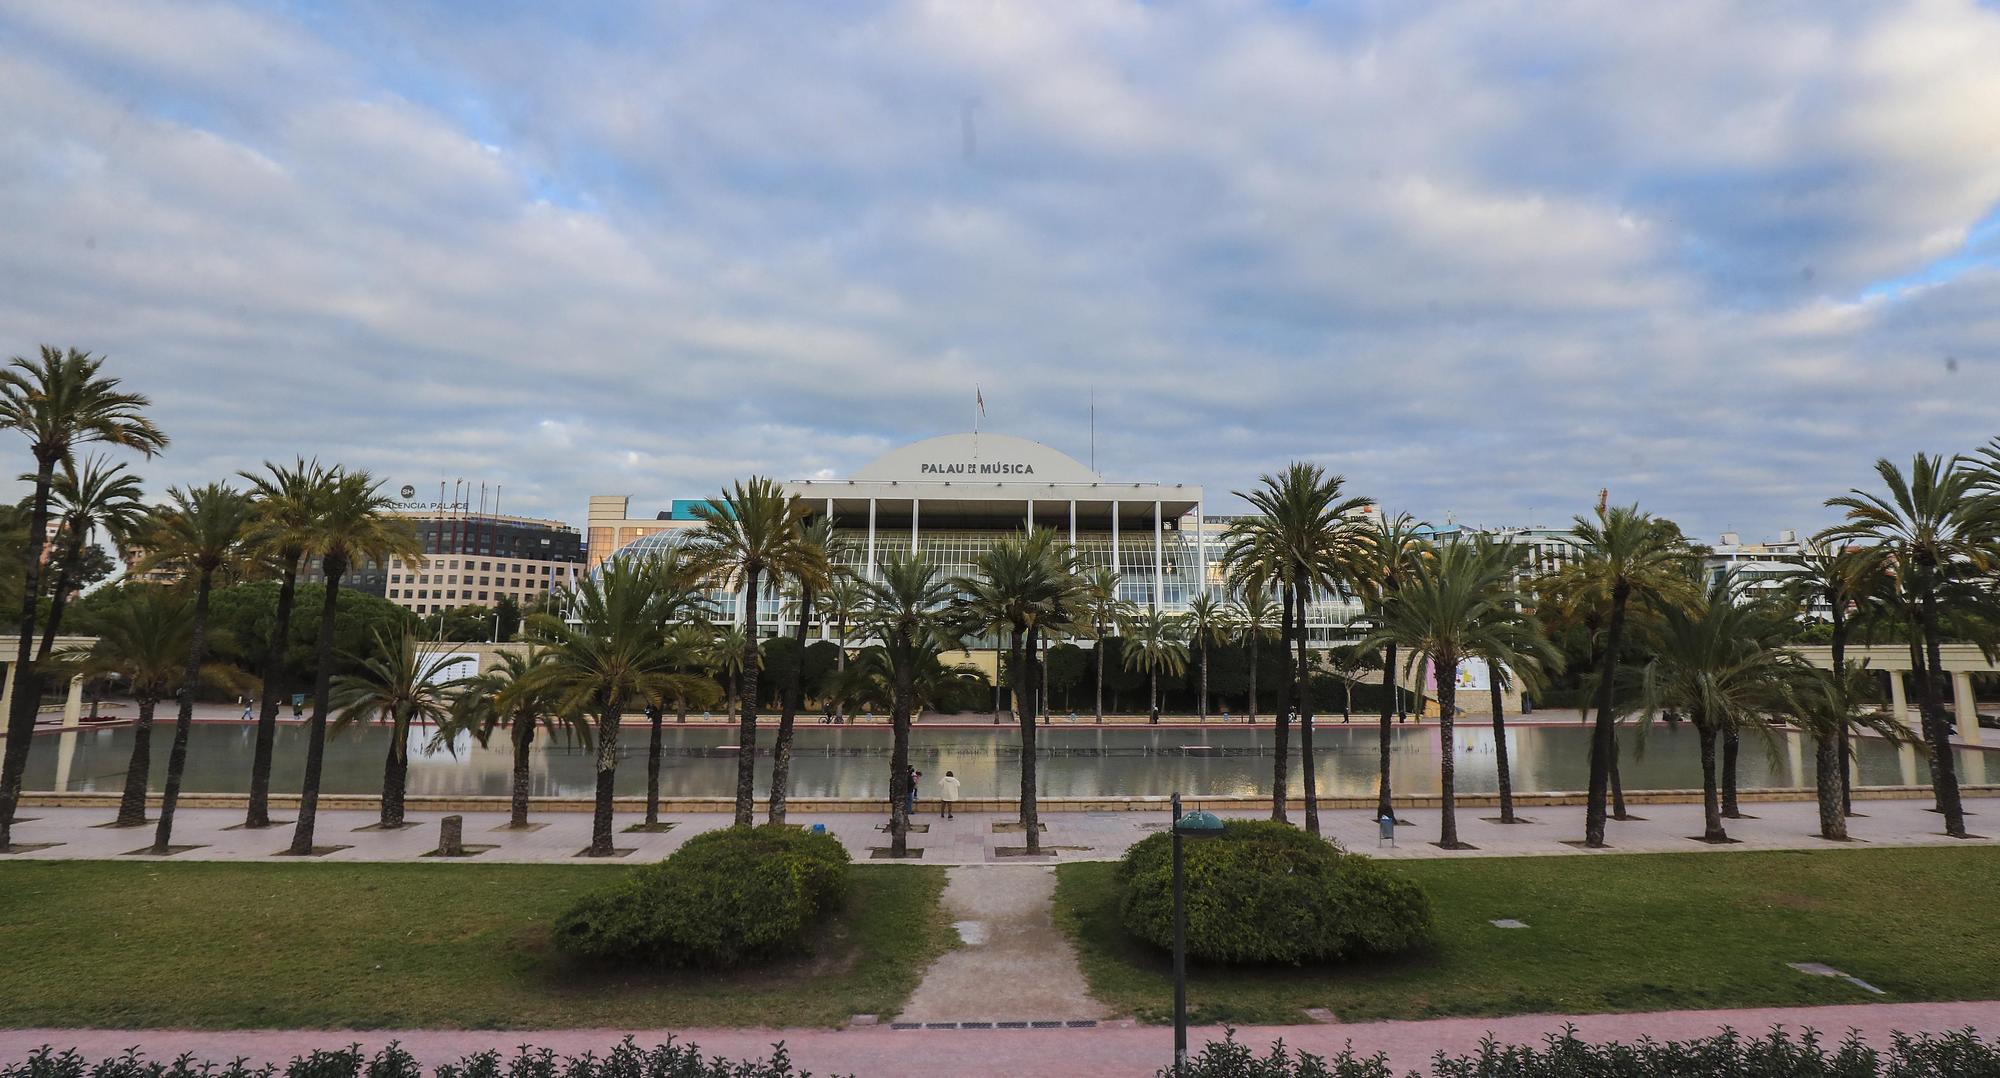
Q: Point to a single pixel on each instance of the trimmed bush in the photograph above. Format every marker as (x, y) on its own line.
(724, 898)
(1265, 892)
(1725, 1055)
(627, 1060)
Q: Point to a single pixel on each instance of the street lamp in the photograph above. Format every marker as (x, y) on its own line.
(1197, 825)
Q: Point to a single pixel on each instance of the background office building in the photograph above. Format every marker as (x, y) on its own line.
(472, 559)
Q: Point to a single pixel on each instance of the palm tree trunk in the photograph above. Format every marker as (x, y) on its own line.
(395, 773)
(72, 552)
(654, 718)
(840, 667)
(1828, 786)
(267, 706)
(27, 700)
(1617, 784)
(1944, 765)
(1445, 666)
(524, 735)
(1732, 745)
(1100, 673)
(1031, 816)
(1202, 712)
(607, 774)
(1711, 815)
(746, 731)
(899, 751)
(132, 806)
(1252, 708)
(177, 758)
(302, 833)
(1308, 779)
(1603, 749)
(781, 750)
(1384, 804)
(1500, 745)
(1281, 726)
(1844, 747)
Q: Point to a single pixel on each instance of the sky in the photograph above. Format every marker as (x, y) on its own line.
(1480, 259)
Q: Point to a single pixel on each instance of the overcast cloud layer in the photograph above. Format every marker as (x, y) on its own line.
(1482, 259)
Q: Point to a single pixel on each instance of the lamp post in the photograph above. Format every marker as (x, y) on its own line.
(1198, 824)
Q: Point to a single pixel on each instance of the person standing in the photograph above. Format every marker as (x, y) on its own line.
(947, 795)
(910, 806)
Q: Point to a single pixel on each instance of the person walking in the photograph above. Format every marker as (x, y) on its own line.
(947, 795)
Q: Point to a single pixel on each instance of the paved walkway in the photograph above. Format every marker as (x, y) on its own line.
(976, 838)
(1013, 965)
(1114, 1051)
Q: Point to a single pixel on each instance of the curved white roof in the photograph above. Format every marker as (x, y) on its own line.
(1001, 457)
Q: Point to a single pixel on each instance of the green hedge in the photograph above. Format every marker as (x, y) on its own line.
(724, 898)
(1725, 1055)
(1265, 892)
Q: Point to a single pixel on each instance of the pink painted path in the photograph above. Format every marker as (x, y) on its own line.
(1112, 1051)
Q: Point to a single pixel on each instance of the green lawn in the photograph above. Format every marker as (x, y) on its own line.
(393, 946)
(1607, 933)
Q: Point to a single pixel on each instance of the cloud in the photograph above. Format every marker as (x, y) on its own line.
(1481, 258)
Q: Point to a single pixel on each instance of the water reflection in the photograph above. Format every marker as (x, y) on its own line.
(1075, 762)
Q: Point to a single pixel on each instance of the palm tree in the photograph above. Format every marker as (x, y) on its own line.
(514, 692)
(1256, 557)
(1390, 553)
(287, 502)
(1208, 622)
(909, 610)
(1102, 611)
(609, 653)
(1154, 644)
(1717, 662)
(1624, 555)
(1499, 674)
(745, 535)
(842, 605)
(1024, 584)
(1850, 580)
(1460, 602)
(99, 495)
(1255, 618)
(404, 684)
(200, 532)
(680, 585)
(145, 639)
(725, 660)
(1937, 522)
(352, 523)
(60, 401)
(816, 553)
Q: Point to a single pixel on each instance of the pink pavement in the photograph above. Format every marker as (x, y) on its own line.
(1118, 1050)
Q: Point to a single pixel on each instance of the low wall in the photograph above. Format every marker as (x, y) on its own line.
(372, 803)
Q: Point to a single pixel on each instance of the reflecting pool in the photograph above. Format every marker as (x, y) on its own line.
(1088, 761)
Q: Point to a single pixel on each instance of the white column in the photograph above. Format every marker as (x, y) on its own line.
(1072, 529)
(913, 527)
(1899, 707)
(871, 539)
(1963, 703)
(1031, 514)
(1159, 559)
(73, 705)
(1200, 550)
(1114, 536)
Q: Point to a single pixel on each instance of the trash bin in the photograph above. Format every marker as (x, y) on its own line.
(1388, 825)
(819, 829)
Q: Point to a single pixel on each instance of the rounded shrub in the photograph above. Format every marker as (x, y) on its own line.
(724, 898)
(1265, 892)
